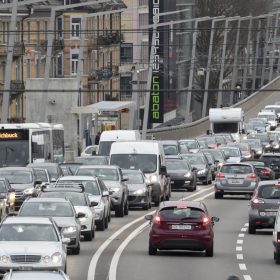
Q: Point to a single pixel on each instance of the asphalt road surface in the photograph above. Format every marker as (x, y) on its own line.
(121, 252)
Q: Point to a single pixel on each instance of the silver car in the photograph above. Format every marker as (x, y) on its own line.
(31, 243)
(97, 192)
(276, 238)
(236, 179)
(63, 213)
(42, 275)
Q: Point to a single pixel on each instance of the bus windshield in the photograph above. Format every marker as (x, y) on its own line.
(225, 127)
(14, 153)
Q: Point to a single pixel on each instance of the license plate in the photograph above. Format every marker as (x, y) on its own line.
(172, 182)
(271, 213)
(235, 181)
(181, 227)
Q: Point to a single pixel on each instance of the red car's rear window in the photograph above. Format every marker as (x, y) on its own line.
(180, 213)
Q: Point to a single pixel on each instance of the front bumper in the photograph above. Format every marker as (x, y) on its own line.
(181, 183)
(137, 200)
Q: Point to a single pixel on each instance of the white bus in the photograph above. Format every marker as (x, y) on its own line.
(23, 143)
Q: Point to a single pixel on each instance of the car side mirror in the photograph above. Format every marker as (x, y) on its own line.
(93, 203)
(11, 190)
(65, 240)
(80, 215)
(105, 193)
(38, 182)
(163, 170)
(149, 217)
(124, 179)
(215, 220)
(53, 180)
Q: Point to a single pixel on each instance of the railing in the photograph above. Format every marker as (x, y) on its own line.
(58, 45)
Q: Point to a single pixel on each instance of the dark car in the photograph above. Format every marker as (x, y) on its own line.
(256, 146)
(7, 198)
(182, 175)
(53, 168)
(212, 142)
(264, 206)
(140, 193)
(236, 179)
(264, 138)
(262, 168)
(92, 160)
(219, 156)
(200, 162)
(23, 181)
(182, 225)
(170, 147)
(212, 161)
(272, 160)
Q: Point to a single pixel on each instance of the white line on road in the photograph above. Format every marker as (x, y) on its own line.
(247, 277)
(239, 256)
(246, 225)
(195, 194)
(241, 235)
(239, 241)
(242, 266)
(244, 229)
(239, 248)
(203, 197)
(117, 255)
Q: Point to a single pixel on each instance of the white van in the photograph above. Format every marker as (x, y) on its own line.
(148, 156)
(110, 136)
(270, 116)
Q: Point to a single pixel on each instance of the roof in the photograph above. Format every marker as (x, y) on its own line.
(268, 183)
(19, 168)
(46, 199)
(168, 142)
(27, 220)
(188, 203)
(104, 106)
(77, 178)
(41, 164)
(98, 166)
(271, 154)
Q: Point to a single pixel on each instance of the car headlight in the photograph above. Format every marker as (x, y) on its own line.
(267, 146)
(201, 172)
(140, 192)
(68, 230)
(56, 257)
(29, 191)
(259, 152)
(188, 175)
(276, 146)
(46, 259)
(247, 156)
(4, 259)
(115, 189)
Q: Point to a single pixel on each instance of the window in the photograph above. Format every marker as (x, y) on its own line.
(75, 27)
(126, 87)
(59, 66)
(74, 64)
(126, 53)
(60, 27)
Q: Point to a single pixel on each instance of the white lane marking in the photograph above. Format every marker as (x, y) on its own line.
(239, 248)
(247, 277)
(203, 197)
(105, 244)
(244, 229)
(195, 194)
(117, 255)
(239, 241)
(239, 256)
(242, 266)
(241, 235)
(246, 225)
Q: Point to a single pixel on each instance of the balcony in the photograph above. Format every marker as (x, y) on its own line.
(92, 44)
(95, 75)
(115, 70)
(110, 38)
(17, 87)
(58, 45)
(107, 73)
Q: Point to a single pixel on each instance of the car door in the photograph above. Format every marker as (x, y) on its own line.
(104, 196)
(124, 184)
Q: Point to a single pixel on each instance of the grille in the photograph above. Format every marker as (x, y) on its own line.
(26, 258)
(19, 194)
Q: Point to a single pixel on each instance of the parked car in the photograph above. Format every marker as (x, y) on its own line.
(264, 206)
(23, 181)
(262, 168)
(53, 168)
(29, 243)
(182, 225)
(97, 191)
(81, 203)
(140, 192)
(182, 175)
(236, 179)
(200, 162)
(42, 275)
(92, 160)
(89, 151)
(63, 213)
(114, 180)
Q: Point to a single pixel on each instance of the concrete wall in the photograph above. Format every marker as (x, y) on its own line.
(58, 106)
(251, 106)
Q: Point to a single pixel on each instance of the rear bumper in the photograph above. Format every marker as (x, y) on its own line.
(261, 221)
(234, 190)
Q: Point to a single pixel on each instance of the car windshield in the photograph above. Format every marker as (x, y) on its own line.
(191, 144)
(170, 149)
(269, 192)
(180, 213)
(17, 176)
(28, 232)
(231, 152)
(220, 139)
(271, 160)
(236, 169)
(209, 140)
(91, 160)
(106, 174)
(254, 142)
(77, 199)
(177, 165)
(195, 159)
(40, 175)
(134, 178)
(202, 143)
(217, 155)
(2, 187)
(147, 163)
(52, 209)
(262, 137)
(256, 163)
(209, 157)
(90, 186)
(268, 117)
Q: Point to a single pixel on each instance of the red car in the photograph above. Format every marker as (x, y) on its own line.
(182, 225)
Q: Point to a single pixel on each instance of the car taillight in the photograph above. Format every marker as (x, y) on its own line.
(206, 221)
(257, 200)
(156, 220)
(252, 176)
(278, 237)
(220, 175)
(263, 171)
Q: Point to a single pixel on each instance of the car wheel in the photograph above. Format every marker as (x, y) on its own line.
(209, 252)
(65, 267)
(251, 229)
(277, 257)
(88, 236)
(76, 251)
(205, 182)
(126, 208)
(218, 195)
(152, 250)
(191, 189)
(93, 232)
(120, 210)
(100, 225)
(106, 222)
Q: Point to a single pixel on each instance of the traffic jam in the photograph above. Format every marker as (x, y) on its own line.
(50, 206)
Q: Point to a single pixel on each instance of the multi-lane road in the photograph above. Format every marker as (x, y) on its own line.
(121, 252)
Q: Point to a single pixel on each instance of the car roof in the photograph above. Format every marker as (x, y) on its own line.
(268, 183)
(27, 220)
(132, 171)
(46, 199)
(173, 142)
(61, 189)
(77, 178)
(187, 203)
(98, 166)
(271, 154)
(20, 168)
(34, 164)
(238, 163)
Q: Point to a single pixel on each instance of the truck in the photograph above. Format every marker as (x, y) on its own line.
(227, 121)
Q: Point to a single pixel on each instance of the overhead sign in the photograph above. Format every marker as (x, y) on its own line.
(10, 134)
(156, 110)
